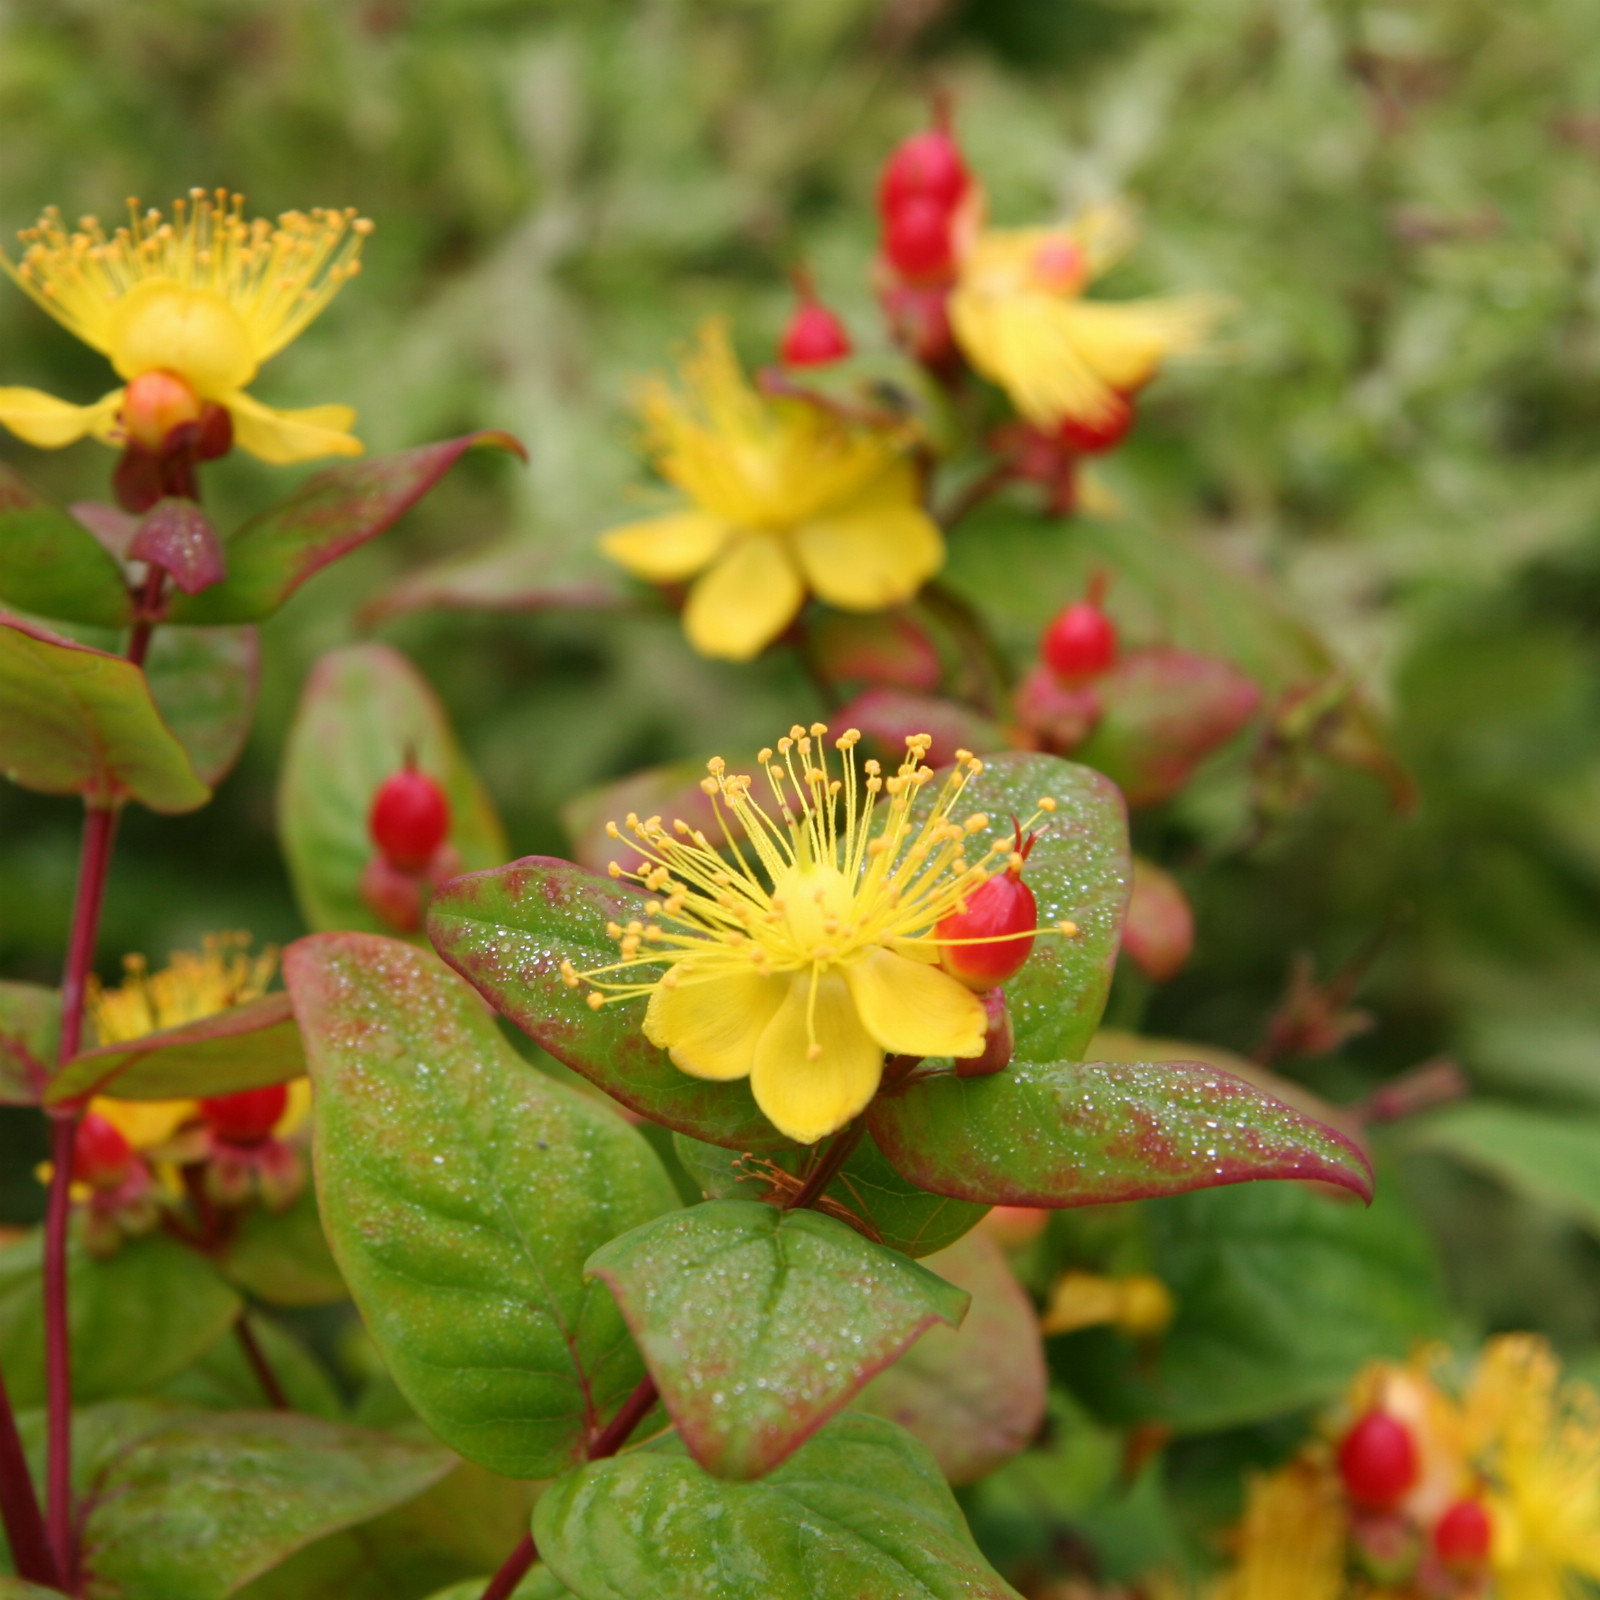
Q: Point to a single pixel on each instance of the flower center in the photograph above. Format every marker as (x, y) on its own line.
(192, 332)
(815, 902)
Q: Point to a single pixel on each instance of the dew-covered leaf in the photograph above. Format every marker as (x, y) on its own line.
(204, 681)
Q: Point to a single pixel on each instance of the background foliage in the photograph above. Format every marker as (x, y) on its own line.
(1403, 199)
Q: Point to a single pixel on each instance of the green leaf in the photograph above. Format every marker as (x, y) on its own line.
(975, 1395)
(30, 1033)
(203, 1503)
(462, 1192)
(540, 1584)
(515, 576)
(52, 565)
(16, 1589)
(204, 681)
(859, 1513)
(364, 708)
(329, 515)
(138, 1318)
(1080, 871)
(1551, 1157)
(78, 721)
(223, 1379)
(759, 1324)
(245, 1047)
(282, 1257)
(906, 1218)
(1083, 1133)
(508, 931)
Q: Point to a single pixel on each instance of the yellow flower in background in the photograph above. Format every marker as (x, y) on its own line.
(204, 300)
(1291, 1542)
(809, 952)
(784, 498)
(1019, 314)
(1138, 1305)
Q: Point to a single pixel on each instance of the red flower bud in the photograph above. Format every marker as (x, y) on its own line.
(154, 404)
(392, 895)
(927, 167)
(101, 1155)
(247, 1117)
(815, 336)
(1081, 643)
(1463, 1534)
(999, 1039)
(1002, 906)
(410, 818)
(1090, 438)
(917, 242)
(1378, 1460)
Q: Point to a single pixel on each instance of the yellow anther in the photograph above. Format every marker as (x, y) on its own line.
(976, 823)
(1046, 803)
(1070, 929)
(613, 831)
(595, 1001)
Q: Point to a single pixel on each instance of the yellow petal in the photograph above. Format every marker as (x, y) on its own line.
(711, 1029)
(913, 1009)
(877, 550)
(145, 1123)
(805, 1098)
(297, 1108)
(747, 598)
(1124, 343)
(49, 423)
(666, 549)
(284, 437)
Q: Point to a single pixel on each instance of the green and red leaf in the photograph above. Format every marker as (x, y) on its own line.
(52, 565)
(30, 1032)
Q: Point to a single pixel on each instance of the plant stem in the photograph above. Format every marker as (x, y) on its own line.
(976, 492)
(99, 830)
(634, 1410)
(257, 1357)
(826, 1169)
(19, 1505)
(513, 1570)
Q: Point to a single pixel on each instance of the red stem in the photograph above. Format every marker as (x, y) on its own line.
(257, 1357)
(19, 1505)
(514, 1570)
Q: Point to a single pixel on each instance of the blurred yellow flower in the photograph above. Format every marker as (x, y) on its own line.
(1138, 1305)
(1019, 314)
(203, 299)
(809, 952)
(784, 498)
(1291, 1542)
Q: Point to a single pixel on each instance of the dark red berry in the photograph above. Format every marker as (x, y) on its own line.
(1378, 1461)
(410, 818)
(814, 337)
(247, 1117)
(101, 1155)
(917, 242)
(1462, 1536)
(1104, 433)
(927, 166)
(1003, 905)
(1081, 643)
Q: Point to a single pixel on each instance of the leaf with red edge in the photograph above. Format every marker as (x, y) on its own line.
(1162, 713)
(74, 720)
(52, 565)
(462, 1191)
(759, 1324)
(177, 536)
(245, 1047)
(205, 682)
(331, 514)
(506, 577)
(1084, 1133)
(30, 1028)
(507, 932)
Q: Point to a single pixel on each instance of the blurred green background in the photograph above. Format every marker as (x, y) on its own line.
(1404, 202)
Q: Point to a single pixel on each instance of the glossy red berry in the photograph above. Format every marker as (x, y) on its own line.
(410, 818)
(1462, 1536)
(814, 337)
(927, 166)
(1081, 643)
(101, 1154)
(1004, 905)
(1104, 433)
(247, 1117)
(917, 242)
(1378, 1461)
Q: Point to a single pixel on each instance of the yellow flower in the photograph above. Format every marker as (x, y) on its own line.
(809, 951)
(195, 985)
(1291, 1543)
(1139, 1305)
(203, 299)
(1020, 318)
(784, 497)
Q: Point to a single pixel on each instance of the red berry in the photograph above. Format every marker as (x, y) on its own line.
(916, 239)
(1081, 643)
(101, 1155)
(1003, 905)
(409, 819)
(1378, 1460)
(247, 1117)
(1106, 431)
(1462, 1536)
(927, 166)
(814, 337)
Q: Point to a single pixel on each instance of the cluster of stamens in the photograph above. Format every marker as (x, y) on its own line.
(845, 863)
